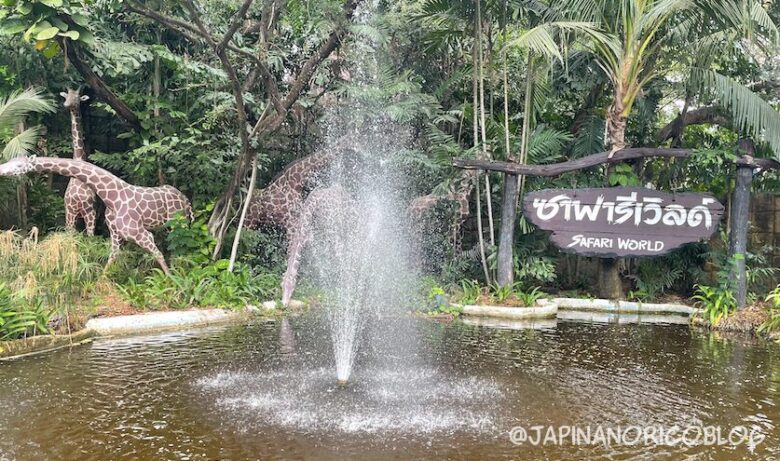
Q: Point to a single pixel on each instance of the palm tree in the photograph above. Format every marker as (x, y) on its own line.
(18, 140)
(14, 109)
(643, 29)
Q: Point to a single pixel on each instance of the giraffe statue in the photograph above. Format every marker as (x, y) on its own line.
(459, 192)
(79, 198)
(279, 204)
(131, 211)
(321, 202)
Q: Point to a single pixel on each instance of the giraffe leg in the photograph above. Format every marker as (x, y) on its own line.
(70, 219)
(298, 238)
(116, 244)
(145, 240)
(89, 216)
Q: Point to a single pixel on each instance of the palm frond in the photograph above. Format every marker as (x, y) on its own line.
(23, 143)
(546, 144)
(19, 104)
(750, 114)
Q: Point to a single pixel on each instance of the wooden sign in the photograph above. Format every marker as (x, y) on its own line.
(622, 221)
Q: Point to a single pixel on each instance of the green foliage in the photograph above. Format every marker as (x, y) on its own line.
(623, 175)
(13, 110)
(717, 302)
(529, 298)
(436, 300)
(499, 293)
(59, 271)
(44, 22)
(534, 269)
(190, 240)
(211, 285)
(773, 324)
(20, 318)
(655, 276)
(470, 291)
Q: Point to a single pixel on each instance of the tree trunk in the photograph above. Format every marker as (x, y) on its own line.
(739, 225)
(610, 285)
(506, 268)
(505, 275)
(244, 210)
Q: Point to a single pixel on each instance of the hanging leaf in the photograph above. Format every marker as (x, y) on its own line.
(62, 25)
(13, 26)
(52, 3)
(47, 33)
(80, 19)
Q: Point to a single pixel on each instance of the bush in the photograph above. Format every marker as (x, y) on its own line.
(717, 302)
(209, 285)
(773, 324)
(19, 318)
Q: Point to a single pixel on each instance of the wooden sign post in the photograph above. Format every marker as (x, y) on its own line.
(622, 221)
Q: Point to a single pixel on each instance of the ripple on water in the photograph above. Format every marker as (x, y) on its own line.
(418, 400)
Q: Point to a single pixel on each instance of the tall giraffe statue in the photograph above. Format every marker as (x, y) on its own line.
(79, 198)
(459, 192)
(131, 211)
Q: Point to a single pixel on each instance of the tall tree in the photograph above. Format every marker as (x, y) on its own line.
(246, 64)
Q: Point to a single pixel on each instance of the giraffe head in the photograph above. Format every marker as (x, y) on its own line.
(73, 98)
(18, 166)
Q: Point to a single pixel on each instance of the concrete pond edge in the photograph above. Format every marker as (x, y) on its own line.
(545, 308)
(151, 322)
(628, 307)
(134, 324)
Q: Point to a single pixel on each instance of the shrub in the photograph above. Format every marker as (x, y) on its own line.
(209, 285)
(19, 318)
(717, 302)
(773, 324)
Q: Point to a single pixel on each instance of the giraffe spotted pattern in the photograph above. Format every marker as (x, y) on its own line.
(79, 198)
(131, 211)
(459, 192)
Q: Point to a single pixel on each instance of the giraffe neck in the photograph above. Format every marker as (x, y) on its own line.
(99, 180)
(76, 133)
(300, 172)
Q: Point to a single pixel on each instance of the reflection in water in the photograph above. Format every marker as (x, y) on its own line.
(421, 390)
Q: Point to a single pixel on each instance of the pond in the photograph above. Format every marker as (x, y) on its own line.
(420, 390)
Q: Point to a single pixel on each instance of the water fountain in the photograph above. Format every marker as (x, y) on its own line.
(360, 256)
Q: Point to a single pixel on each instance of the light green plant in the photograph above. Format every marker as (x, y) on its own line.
(717, 302)
(529, 298)
(210, 285)
(470, 291)
(773, 324)
(19, 318)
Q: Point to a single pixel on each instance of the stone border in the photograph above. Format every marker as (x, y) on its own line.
(142, 323)
(160, 321)
(606, 305)
(545, 309)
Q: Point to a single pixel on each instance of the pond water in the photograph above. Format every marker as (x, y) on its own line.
(420, 390)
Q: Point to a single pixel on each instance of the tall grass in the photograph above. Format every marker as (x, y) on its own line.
(58, 270)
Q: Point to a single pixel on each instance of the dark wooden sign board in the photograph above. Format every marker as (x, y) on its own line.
(622, 221)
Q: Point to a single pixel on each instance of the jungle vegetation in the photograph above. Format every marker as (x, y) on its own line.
(200, 93)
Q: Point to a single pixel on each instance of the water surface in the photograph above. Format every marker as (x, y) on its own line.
(420, 390)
